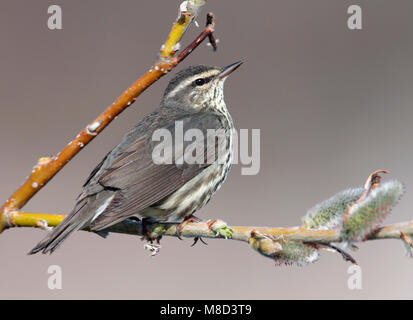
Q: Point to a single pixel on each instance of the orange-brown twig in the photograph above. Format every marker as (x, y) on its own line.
(46, 168)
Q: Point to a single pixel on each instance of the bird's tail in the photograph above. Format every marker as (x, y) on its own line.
(73, 222)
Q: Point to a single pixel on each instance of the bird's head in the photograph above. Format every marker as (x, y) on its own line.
(198, 86)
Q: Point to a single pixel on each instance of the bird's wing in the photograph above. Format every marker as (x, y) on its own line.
(138, 182)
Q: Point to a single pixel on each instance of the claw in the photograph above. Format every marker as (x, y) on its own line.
(200, 239)
(178, 234)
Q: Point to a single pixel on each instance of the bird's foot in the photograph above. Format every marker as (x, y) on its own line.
(220, 228)
(187, 220)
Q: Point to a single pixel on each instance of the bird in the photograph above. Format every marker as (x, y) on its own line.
(129, 184)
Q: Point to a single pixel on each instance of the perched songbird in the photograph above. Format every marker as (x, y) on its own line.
(129, 183)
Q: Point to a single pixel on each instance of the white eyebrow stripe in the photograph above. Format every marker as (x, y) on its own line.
(189, 81)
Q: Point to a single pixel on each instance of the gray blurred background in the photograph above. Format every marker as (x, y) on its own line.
(332, 105)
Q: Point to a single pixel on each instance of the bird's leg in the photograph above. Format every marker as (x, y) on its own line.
(144, 223)
(147, 232)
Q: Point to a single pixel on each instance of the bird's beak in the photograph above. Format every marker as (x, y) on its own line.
(226, 71)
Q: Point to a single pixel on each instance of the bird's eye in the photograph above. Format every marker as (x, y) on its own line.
(200, 82)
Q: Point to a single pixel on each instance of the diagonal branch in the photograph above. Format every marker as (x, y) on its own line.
(48, 167)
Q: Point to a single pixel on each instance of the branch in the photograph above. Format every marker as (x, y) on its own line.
(351, 216)
(265, 240)
(208, 230)
(47, 167)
